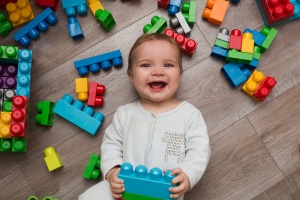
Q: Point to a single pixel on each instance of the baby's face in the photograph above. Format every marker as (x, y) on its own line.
(155, 71)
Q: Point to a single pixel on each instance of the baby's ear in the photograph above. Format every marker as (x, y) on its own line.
(130, 76)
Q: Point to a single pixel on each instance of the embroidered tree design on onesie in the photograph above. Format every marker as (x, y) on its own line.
(174, 143)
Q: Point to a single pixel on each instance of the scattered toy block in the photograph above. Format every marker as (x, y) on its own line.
(92, 170)
(76, 113)
(72, 7)
(19, 116)
(180, 25)
(163, 3)
(105, 18)
(94, 64)
(158, 25)
(189, 11)
(20, 13)
(53, 4)
(5, 25)
(95, 5)
(82, 88)
(39, 23)
(94, 94)
(264, 88)
(152, 184)
(46, 114)
(215, 11)
(52, 159)
(74, 29)
(174, 7)
(270, 34)
(24, 73)
(188, 46)
(234, 73)
(253, 82)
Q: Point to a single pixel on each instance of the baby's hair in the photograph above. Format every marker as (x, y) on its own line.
(149, 37)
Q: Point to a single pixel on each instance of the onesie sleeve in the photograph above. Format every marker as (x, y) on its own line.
(197, 147)
(112, 145)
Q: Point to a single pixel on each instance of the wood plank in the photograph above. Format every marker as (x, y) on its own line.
(240, 166)
(277, 123)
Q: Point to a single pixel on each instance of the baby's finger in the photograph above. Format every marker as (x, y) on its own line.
(178, 179)
(117, 196)
(177, 171)
(176, 190)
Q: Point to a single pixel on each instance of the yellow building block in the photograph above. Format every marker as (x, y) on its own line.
(52, 159)
(95, 5)
(81, 86)
(253, 82)
(5, 122)
(20, 13)
(247, 43)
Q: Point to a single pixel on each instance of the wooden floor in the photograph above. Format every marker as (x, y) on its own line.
(255, 146)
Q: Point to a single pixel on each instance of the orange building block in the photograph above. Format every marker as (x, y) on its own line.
(215, 11)
(20, 13)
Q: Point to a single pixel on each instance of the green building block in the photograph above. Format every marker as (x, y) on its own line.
(18, 144)
(158, 25)
(8, 54)
(130, 196)
(105, 18)
(46, 114)
(5, 25)
(92, 170)
(256, 53)
(5, 144)
(189, 12)
(221, 43)
(237, 56)
(7, 106)
(270, 34)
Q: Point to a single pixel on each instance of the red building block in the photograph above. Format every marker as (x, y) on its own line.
(94, 94)
(47, 3)
(264, 88)
(188, 46)
(277, 10)
(235, 41)
(19, 116)
(163, 3)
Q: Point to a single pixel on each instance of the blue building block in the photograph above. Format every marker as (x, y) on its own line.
(219, 52)
(94, 64)
(39, 23)
(235, 1)
(76, 113)
(74, 29)
(258, 37)
(24, 73)
(174, 7)
(234, 74)
(152, 184)
(72, 7)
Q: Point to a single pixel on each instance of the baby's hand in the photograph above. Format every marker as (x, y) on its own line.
(116, 184)
(182, 182)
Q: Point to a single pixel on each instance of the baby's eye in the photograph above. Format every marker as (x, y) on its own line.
(145, 65)
(169, 65)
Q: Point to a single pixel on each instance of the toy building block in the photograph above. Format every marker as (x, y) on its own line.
(130, 196)
(20, 13)
(180, 25)
(215, 11)
(74, 29)
(72, 7)
(82, 88)
(46, 114)
(256, 56)
(3, 3)
(163, 3)
(8, 54)
(52, 159)
(253, 82)
(76, 113)
(158, 25)
(5, 25)
(5, 122)
(219, 52)
(152, 184)
(105, 18)
(247, 43)
(237, 56)
(53, 4)
(258, 37)
(264, 89)
(174, 7)
(189, 12)
(95, 5)
(275, 12)
(24, 74)
(92, 170)
(19, 116)
(18, 144)
(94, 94)
(188, 46)
(39, 23)
(5, 145)
(270, 34)
(94, 64)
(234, 73)
(235, 41)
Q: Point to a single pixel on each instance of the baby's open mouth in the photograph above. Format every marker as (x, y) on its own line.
(157, 85)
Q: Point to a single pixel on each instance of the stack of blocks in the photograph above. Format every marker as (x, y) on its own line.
(140, 184)
(15, 70)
